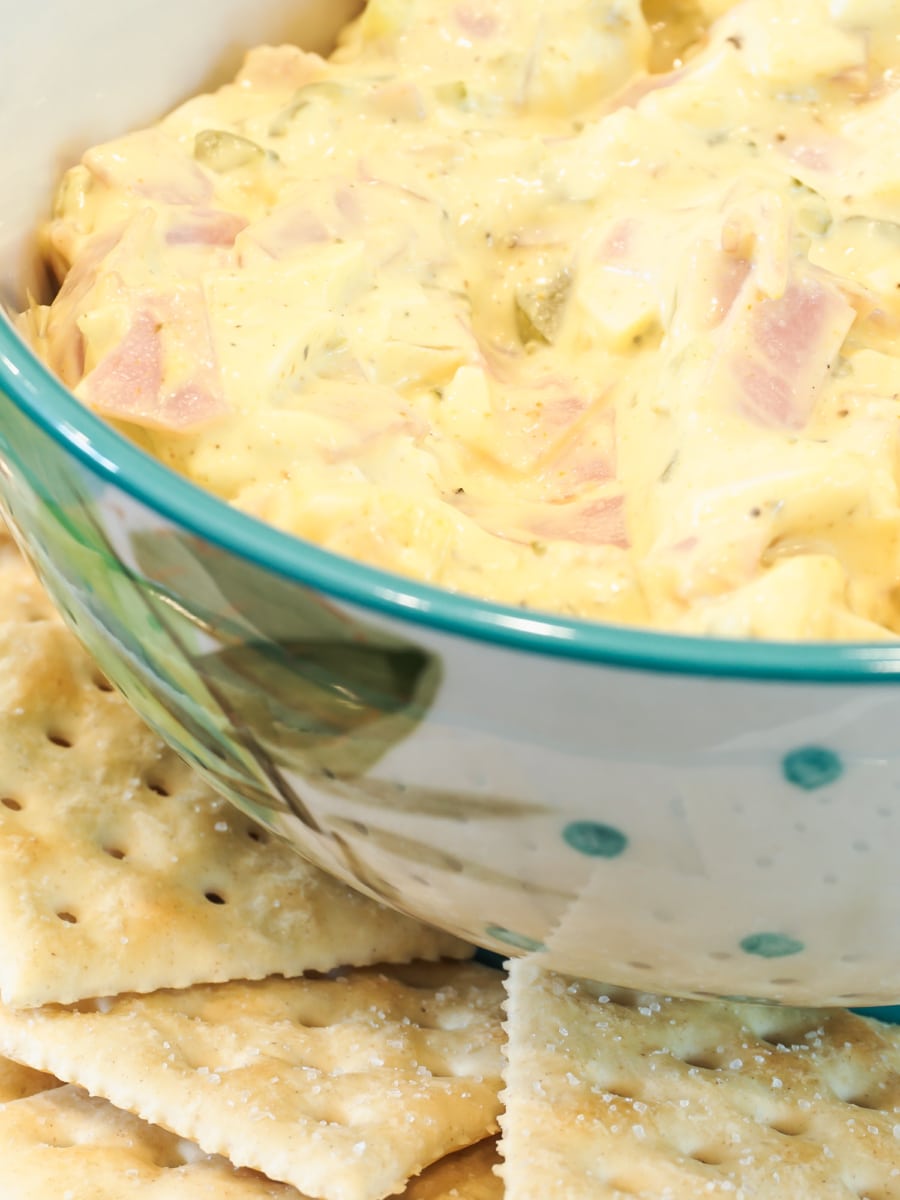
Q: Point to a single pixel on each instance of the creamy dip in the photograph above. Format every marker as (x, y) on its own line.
(586, 307)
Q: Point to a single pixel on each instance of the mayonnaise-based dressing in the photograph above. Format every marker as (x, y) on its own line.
(587, 307)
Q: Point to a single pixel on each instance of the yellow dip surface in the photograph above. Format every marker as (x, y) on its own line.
(584, 306)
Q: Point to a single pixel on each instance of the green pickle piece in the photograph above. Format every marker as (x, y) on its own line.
(540, 308)
(223, 151)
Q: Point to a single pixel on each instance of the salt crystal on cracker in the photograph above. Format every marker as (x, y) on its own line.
(612, 1094)
(120, 870)
(345, 1087)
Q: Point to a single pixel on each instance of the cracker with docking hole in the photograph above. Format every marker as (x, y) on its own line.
(612, 1094)
(344, 1086)
(120, 870)
(66, 1144)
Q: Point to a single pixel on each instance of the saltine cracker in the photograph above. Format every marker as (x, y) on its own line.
(120, 870)
(345, 1086)
(612, 1094)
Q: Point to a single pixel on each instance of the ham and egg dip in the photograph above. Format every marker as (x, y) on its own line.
(583, 306)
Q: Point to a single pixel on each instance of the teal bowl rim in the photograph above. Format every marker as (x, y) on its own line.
(113, 458)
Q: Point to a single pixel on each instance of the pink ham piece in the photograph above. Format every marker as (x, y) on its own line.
(547, 426)
(596, 522)
(475, 22)
(104, 261)
(618, 245)
(278, 67)
(205, 227)
(777, 352)
(729, 275)
(589, 521)
(284, 232)
(583, 459)
(709, 283)
(535, 423)
(151, 165)
(129, 379)
(65, 342)
(134, 382)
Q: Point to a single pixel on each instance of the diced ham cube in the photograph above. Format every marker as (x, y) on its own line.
(205, 227)
(599, 521)
(778, 352)
(143, 381)
(153, 166)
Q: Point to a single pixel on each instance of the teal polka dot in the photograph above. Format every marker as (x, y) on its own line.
(771, 945)
(595, 840)
(812, 767)
(508, 936)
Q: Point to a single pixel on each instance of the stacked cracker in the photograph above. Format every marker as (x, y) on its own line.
(198, 1007)
(191, 1012)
